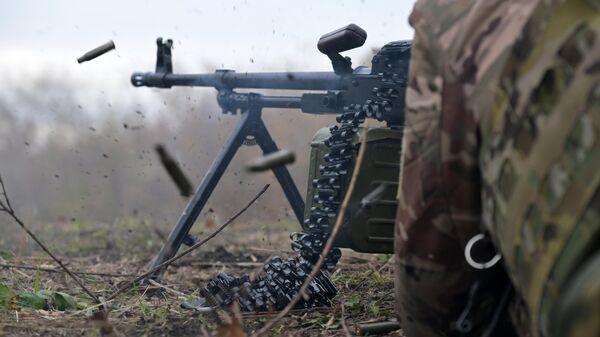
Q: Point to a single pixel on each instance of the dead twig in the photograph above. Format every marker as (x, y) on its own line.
(91, 308)
(373, 271)
(265, 314)
(51, 270)
(7, 208)
(171, 290)
(275, 251)
(189, 250)
(343, 321)
(218, 264)
(385, 264)
(204, 331)
(328, 245)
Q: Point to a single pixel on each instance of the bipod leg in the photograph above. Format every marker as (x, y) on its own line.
(207, 185)
(266, 143)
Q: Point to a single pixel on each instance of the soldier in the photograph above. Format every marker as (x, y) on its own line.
(502, 138)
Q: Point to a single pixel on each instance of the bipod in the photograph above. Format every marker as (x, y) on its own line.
(250, 126)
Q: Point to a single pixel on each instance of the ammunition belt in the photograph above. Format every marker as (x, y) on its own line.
(283, 278)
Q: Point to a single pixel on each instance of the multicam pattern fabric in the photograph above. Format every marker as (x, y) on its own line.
(434, 222)
(502, 136)
(540, 158)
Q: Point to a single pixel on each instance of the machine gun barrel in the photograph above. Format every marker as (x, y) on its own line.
(229, 79)
(281, 102)
(232, 101)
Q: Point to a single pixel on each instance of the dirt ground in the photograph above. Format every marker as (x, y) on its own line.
(124, 249)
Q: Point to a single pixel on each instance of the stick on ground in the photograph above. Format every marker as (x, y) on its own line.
(343, 322)
(6, 207)
(51, 270)
(131, 283)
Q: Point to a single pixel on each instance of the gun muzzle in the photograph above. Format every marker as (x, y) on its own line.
(231, 80)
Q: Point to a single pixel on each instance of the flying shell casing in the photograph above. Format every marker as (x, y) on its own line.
(373, 196)
(175, 172)
(271, 160)
(92, 54)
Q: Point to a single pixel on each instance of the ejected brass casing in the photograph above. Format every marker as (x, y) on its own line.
(375, 328)
(172, 166)
(271, 160)
(92, 54)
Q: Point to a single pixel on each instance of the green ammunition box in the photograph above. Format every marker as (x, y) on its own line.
(369, 221)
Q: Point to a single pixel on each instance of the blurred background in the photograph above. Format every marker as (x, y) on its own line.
(77, 140)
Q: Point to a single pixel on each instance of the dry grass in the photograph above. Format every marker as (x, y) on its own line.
(365, 288)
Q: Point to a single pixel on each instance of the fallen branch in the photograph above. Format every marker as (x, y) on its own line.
(218, 264)
(343, 321)
(275, 251)
(131, 283)
(171, 290)
(299, 312)
(51, 270)
(6, 207)
(338, 223)
(385, 264)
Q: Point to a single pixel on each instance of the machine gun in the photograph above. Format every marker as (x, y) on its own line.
(352, 93)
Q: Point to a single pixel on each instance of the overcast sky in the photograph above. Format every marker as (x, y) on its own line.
(41, 41)
(247, 35)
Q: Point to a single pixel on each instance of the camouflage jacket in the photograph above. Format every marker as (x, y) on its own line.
(500, 138)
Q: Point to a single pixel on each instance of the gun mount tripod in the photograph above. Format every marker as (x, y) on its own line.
(250, 127)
